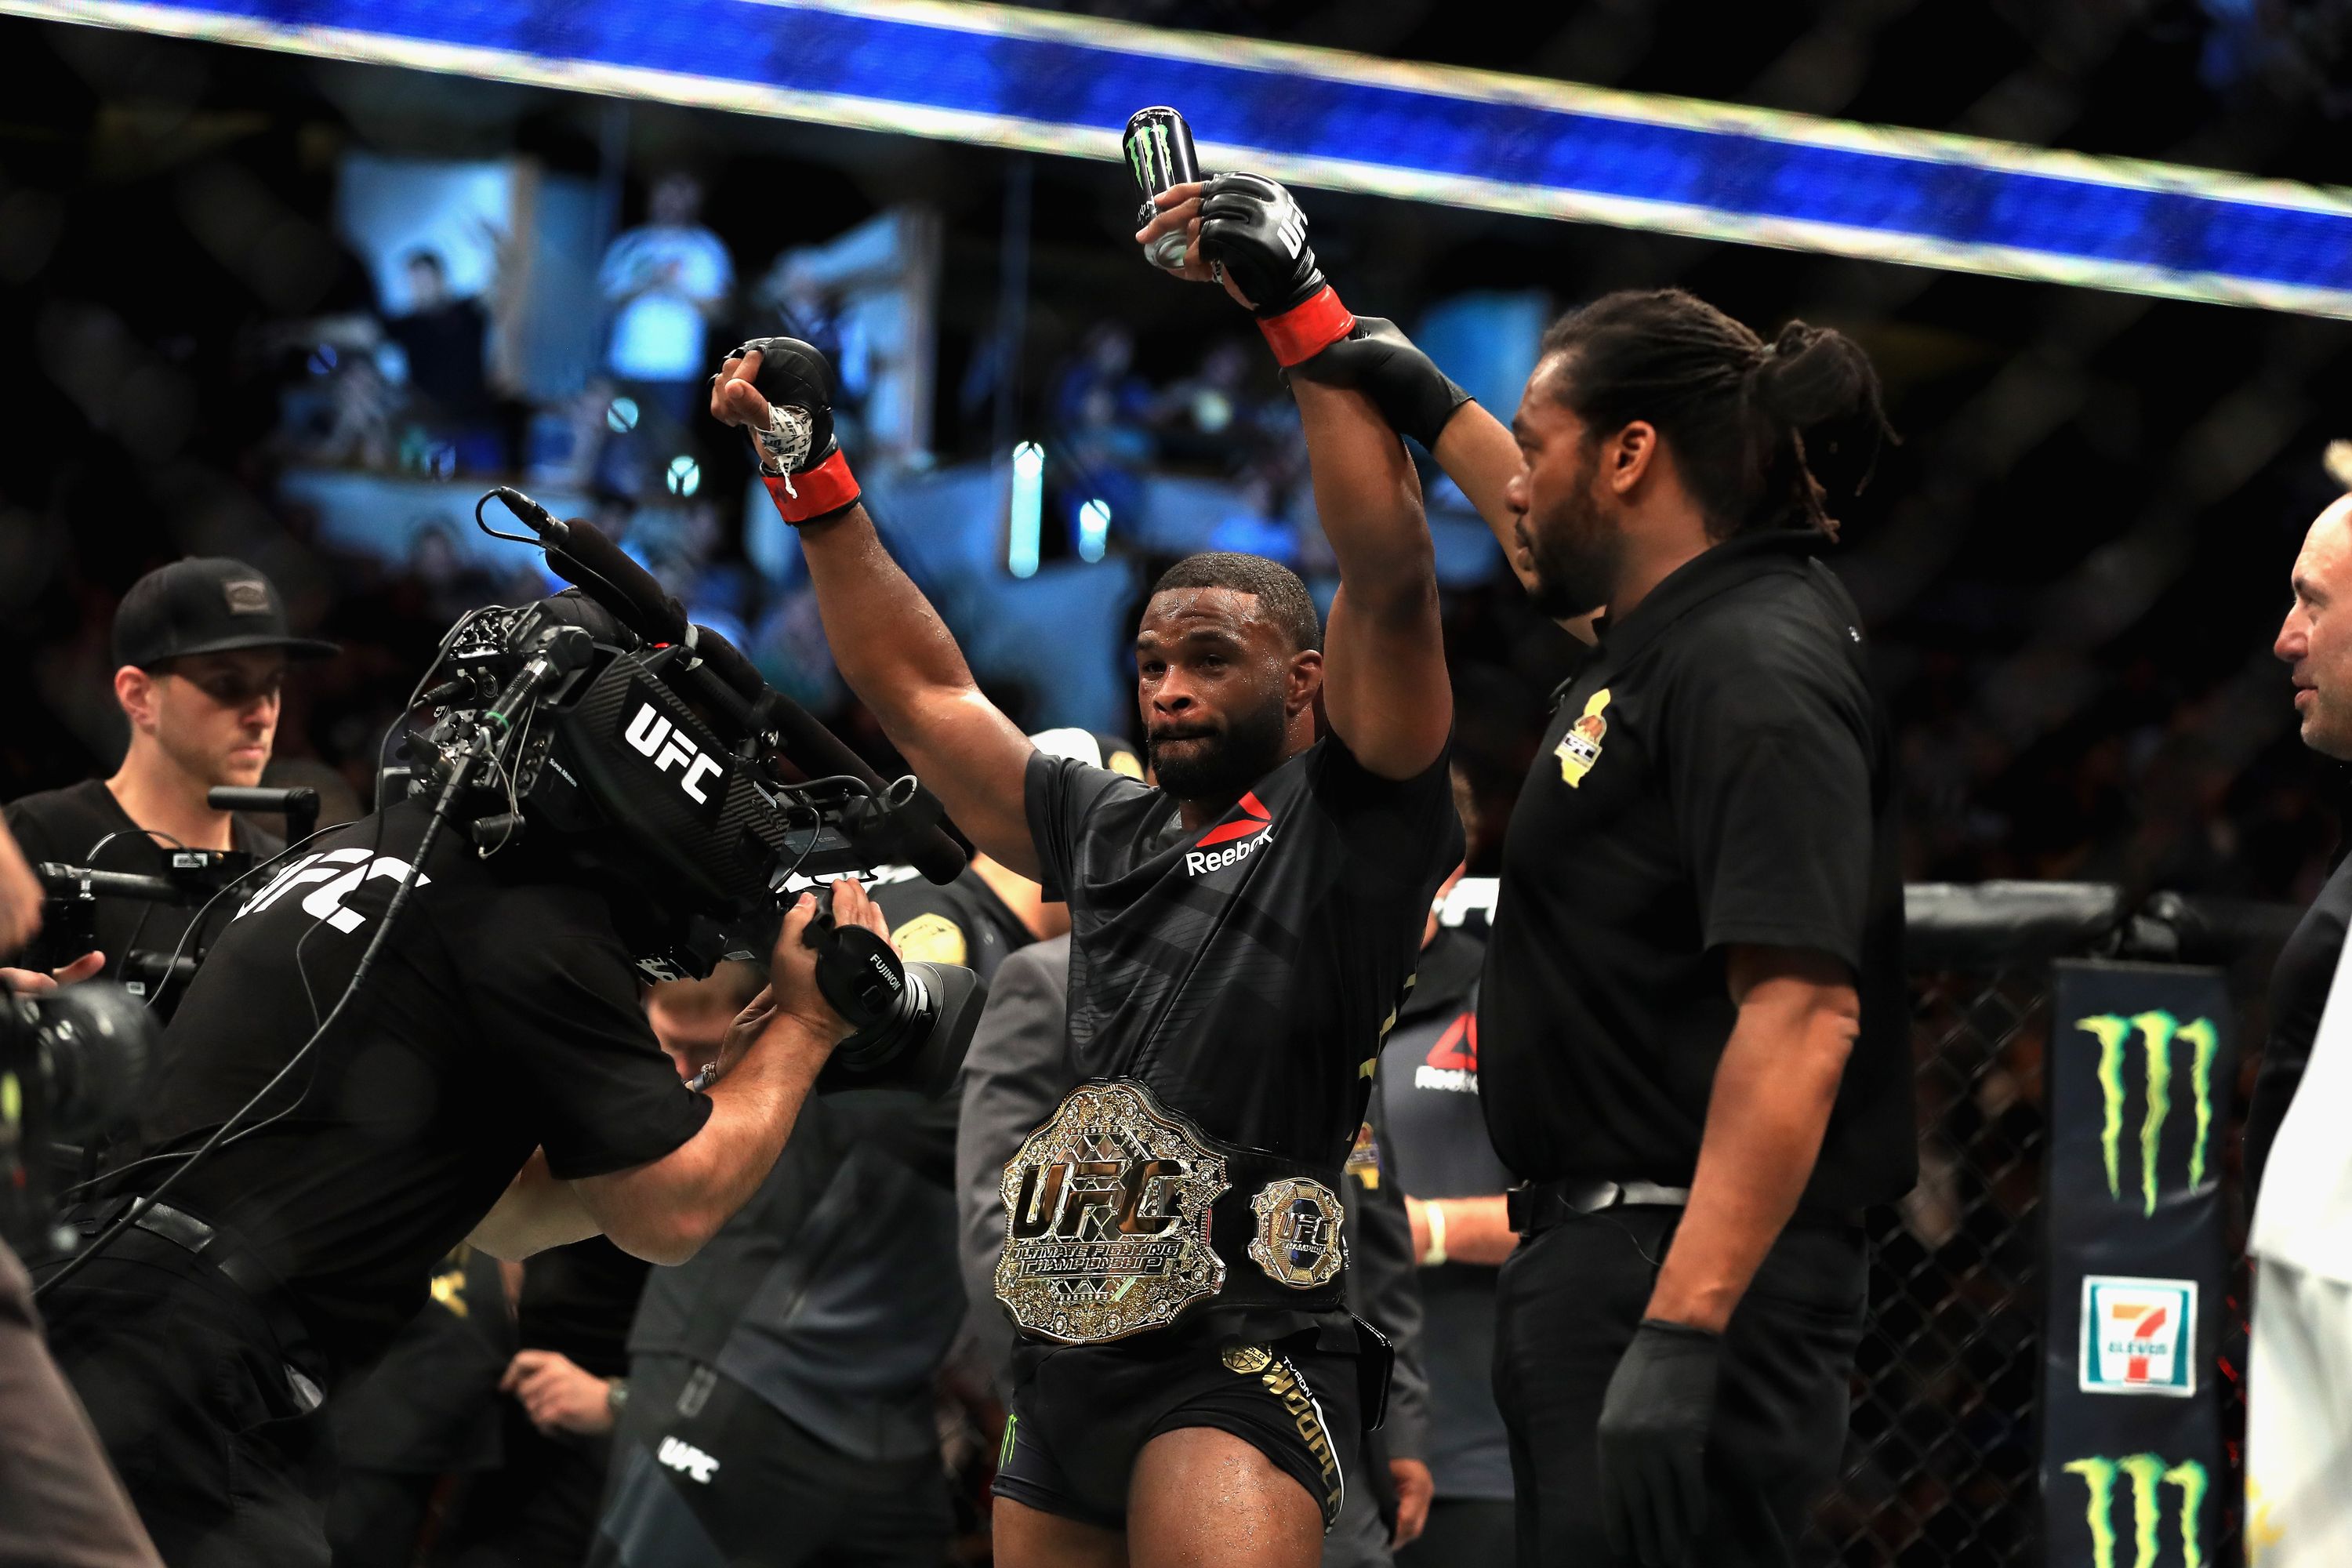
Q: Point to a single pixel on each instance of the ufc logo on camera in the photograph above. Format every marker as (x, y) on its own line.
(651, 734)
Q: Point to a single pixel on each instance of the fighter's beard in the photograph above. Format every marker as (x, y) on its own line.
(1220, 767)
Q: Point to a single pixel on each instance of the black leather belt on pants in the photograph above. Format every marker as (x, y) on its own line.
(1539, 1205)
(213, 1246)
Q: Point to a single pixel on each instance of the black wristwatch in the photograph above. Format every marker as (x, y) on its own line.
(616, 1395)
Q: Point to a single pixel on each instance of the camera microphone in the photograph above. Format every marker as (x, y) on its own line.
(532, 515)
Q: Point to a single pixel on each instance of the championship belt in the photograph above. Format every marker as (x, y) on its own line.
(1115, 1210)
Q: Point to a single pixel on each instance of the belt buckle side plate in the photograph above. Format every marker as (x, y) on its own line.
(1106, 1219)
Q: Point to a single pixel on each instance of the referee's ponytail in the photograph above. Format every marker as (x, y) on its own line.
(1764, 435)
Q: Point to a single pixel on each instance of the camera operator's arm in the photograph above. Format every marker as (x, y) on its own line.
(537, 1211)
(895, 653)
(663, 1211)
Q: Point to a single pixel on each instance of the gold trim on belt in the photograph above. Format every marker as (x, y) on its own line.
(1107, 1218)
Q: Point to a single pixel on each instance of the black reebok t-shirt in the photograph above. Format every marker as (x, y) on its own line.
(1243, 974)
(501, 1016)
(1717, 774)
(65, 824)
(1430, 1138)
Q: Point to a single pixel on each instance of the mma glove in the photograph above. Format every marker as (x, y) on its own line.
(1413, 395)
(801, 459)
(1253, 232)
(1652, 1443)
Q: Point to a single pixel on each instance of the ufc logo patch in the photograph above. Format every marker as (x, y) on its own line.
(651, 735)
(686, 1459)
(337, 874)
(1291, 229)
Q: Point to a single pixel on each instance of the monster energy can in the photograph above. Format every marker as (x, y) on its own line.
(1159, 147)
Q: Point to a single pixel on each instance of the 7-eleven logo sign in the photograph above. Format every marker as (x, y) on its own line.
(2139, 1336)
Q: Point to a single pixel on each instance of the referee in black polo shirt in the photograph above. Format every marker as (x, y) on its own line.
(1693, 1008)
(1693, 1014)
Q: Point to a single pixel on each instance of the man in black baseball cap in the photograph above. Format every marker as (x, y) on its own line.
(203, 647)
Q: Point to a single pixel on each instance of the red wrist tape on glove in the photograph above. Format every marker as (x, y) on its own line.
(1304, 331)
(828, 487)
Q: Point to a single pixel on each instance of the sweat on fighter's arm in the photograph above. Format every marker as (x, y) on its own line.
(1774, 1086)
(893, 650)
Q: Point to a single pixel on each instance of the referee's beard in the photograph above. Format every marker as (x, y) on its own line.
(1214, 760)
(1574, 548)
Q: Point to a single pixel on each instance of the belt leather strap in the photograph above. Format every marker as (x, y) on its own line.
(1539, 1205)
(211, 1245)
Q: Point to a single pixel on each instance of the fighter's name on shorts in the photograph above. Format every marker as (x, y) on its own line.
(1199, 860)
(1282, 1380)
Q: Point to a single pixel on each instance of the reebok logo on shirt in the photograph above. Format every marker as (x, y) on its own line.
(686, 1459)
(1242, 838)
(1453, 1062)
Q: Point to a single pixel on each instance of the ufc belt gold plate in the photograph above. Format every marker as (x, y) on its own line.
(1106, 1219)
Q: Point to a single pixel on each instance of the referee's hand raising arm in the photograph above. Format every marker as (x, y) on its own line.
(1799, 1017)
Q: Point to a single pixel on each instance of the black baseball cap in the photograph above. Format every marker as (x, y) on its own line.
(204, 605)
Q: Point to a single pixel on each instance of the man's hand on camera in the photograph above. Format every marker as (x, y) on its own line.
(792, 967)
(30, 981)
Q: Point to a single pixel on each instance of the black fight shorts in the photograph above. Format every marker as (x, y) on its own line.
(1081, 1414)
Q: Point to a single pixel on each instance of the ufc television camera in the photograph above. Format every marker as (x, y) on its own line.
(654, 754)
(73, 1063)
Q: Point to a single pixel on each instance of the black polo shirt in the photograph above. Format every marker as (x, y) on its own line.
(1718, 772)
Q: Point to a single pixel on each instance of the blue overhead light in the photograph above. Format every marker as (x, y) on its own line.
(1028, 517)
(999, 75)
(1094, 529)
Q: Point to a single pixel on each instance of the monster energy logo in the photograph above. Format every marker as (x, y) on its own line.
(2146, 1477)
(2156, 1031)
(1149, 137)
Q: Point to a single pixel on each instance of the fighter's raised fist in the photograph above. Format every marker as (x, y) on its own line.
(1253, 229)
(780, 391)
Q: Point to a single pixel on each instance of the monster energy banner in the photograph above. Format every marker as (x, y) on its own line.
(2138, 1070)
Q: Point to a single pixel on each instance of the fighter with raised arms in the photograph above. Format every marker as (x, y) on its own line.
(1190, 1386)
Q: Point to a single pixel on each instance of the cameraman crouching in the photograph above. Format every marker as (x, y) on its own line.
(494, 1078)
(202, 647)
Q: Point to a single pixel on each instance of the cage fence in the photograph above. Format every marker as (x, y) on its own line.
(1943, 1451)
